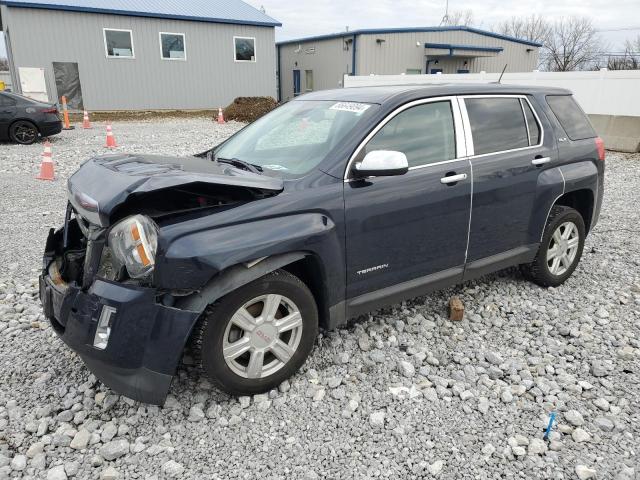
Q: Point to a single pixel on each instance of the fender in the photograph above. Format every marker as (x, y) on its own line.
(192, 260)
(233, 278)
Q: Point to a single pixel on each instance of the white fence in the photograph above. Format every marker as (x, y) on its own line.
(599, 93)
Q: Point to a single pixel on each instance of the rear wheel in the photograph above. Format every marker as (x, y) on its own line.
(23, 132)
(259, 335)
(560, 249)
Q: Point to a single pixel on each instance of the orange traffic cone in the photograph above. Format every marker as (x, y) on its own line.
(46, 166)
(111, 140)
(86, 124)
(220, 116)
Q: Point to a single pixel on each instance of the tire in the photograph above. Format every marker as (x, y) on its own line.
(545, 270)
(217, 338)
(23, 132)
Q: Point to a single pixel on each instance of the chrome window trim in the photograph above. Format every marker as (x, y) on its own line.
(522, 97)
(526, 122)
(460, 137)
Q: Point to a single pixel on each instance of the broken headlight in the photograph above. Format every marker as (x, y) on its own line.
(134, 242)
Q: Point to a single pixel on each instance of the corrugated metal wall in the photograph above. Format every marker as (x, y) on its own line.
(209, 78)
(402, 51)
(398, 53)
(329, 59)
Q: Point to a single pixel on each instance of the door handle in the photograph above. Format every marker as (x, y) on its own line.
(540, 161)
(453, 179)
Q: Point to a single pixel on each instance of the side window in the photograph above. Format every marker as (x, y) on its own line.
(532, 123)
(172, 46)
(5, 101)
(424, 133)
(571, 117)
(118, 43)
(244, 49)
(497, 124)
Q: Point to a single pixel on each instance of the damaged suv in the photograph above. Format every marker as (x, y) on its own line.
(332, 205)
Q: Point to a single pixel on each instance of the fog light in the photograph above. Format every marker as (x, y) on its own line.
(104, 327)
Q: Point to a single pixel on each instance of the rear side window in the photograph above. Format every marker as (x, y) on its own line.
(497, 124)
(532, 123)
(424, 133)
(6, 101)
(571, 117)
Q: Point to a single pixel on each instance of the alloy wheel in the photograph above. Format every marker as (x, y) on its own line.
(262, 336)
(563, 248)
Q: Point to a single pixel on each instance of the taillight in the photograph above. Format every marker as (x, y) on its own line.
(600, 147)
(49, 110)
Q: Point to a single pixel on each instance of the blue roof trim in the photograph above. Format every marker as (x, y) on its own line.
(452, 46)
(411, 30)
(193, 18)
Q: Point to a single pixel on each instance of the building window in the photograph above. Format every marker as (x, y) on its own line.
(308, 78)
(244, 49)
(118, 43)
(414, 71)
(172, 46)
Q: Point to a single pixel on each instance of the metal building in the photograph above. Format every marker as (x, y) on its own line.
(139, 54)
(317, 63)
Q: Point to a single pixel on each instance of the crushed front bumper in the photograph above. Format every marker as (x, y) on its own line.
(146, 341)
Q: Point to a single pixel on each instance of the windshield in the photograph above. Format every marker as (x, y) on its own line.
(293, 139)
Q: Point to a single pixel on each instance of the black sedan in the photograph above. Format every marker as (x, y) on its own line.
(23, 120)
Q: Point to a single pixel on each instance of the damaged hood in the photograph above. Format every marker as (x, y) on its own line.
(103, 183)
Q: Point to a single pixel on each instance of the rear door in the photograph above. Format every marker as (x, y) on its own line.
(410, 229)
(7, 113)
(509, 152)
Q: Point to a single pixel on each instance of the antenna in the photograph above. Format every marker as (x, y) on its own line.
(445, 19)
(503, 70)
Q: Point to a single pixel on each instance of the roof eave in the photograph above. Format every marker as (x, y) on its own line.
(68, 8)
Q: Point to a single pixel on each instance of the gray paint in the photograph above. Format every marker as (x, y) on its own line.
(397, 53)
(207, 79)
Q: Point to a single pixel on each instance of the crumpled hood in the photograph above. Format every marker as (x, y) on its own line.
(103, 183)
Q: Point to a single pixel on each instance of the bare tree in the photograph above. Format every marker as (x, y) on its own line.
(459, 17)
(534, 28)
(628, 60)
(4, 64)
(573, 44)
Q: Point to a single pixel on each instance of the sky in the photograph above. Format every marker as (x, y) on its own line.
(315, 17)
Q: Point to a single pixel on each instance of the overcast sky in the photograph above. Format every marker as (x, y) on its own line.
(314, 17)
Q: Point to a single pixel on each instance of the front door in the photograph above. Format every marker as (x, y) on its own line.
(412, 227)
(510, 152)
(296, 83)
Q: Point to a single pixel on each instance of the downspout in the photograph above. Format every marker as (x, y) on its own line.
(279, 73)
(353, 57)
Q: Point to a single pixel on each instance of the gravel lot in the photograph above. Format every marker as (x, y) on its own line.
(404, 394)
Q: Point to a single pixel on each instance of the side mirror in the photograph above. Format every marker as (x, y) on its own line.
(382, 163)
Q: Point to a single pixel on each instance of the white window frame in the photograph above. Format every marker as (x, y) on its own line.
(106, 48)
(255, 50)
(184, 43)
(459, 133)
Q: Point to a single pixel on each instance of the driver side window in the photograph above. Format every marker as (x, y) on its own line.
(424, 133)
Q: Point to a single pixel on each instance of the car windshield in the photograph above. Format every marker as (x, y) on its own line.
(293, 139)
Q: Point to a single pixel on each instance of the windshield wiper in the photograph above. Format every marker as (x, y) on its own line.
(241, 164)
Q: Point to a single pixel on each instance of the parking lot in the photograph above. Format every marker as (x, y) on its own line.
(404, 393)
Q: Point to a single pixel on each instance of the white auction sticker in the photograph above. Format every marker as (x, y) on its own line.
(357, 108)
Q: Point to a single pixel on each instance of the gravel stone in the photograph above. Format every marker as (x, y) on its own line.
(114, 449)
(579, 435)
(57, 473)
(80, 440)
(406, 368)
(376, 419)
(574, 418)
(173, 469)
(604, 424)
(19, 463)
(537, 447)
(109, 473)
(584, 473)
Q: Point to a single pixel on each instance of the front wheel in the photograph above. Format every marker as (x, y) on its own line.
(560, 249)
(256, 337)
(23, 132)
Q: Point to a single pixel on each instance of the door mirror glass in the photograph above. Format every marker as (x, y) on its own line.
(382, 163)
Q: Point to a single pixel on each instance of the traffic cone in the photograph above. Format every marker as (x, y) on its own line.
(46, 166)
(220, 116)
(111, 140)
(86, 124)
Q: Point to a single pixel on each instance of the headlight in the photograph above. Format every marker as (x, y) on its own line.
(134, 242)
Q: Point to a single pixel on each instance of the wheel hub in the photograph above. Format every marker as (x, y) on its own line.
(264, 336)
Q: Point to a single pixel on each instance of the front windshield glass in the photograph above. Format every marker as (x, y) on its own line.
(293, 139)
